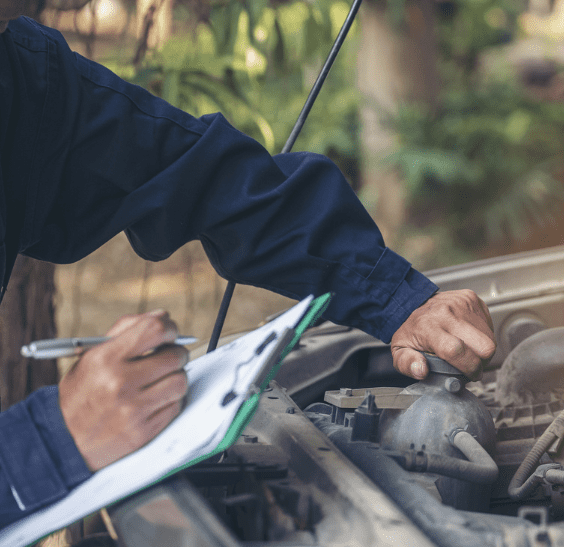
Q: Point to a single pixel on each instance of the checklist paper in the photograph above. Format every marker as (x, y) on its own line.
(224, 390)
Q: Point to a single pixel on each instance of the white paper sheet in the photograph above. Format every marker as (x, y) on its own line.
(196, 432)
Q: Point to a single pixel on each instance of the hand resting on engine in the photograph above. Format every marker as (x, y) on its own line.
(455, 325)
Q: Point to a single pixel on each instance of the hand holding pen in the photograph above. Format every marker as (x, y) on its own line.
(122, 393)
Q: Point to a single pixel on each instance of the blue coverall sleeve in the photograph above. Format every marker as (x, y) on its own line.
(39, 462)
(109, 157)
(86, 155)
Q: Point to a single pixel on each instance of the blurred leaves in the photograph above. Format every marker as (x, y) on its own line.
(255, 61)
(488, 162)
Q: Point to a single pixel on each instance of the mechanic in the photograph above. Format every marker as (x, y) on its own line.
(85, 155)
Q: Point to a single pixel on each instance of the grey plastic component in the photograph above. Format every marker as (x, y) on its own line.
(440, 366)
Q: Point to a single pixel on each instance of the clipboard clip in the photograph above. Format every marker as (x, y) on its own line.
(283, 340)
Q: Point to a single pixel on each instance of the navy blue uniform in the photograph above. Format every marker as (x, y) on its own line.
(85, 155)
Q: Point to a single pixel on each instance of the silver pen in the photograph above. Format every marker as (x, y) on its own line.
(67, 347)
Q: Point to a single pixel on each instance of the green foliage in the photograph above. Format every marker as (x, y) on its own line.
(255, 61)
(488, 161)
(472, 27)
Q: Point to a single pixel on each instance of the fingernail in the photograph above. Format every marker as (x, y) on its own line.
(158, 311)
(417, 370)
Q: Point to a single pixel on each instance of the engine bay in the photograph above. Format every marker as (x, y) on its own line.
(344, 451)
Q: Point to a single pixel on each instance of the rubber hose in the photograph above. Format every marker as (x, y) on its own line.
(480, 467)
(518, 487)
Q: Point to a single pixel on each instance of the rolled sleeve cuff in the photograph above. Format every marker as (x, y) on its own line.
(37, 453)
(410, 293)
(380, 302)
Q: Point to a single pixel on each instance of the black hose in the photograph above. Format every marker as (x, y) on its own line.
(519, 487)
(221, 314)
(479, 468)
(443, 524)
(322, 75)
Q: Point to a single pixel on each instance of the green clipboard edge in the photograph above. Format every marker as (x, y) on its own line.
(248, 408)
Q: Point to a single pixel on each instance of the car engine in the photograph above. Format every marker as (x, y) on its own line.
(345, 451)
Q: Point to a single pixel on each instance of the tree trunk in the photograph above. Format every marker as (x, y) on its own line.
(27, 313)
(154, 21)
(393, 66)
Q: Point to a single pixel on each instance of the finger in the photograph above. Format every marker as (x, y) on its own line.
(126, 321)
(463, 304)
(167, 390)
(150, 426)
(146, 333)
(480, 341)
(479, 327)
(161, 418)
(458, 353)
(450, 346)
(410, 363)
(158, 364)
(476, 305)
(486, 313)
(122, 324)
(454, 351)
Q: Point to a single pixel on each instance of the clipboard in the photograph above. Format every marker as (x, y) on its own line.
(212, 421)
(268, 371)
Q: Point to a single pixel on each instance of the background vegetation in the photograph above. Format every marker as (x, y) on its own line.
(256, 62)
(486, 159)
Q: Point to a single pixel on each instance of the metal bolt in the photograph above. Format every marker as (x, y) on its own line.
(453, 385)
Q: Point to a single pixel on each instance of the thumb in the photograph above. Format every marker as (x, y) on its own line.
(410, 363)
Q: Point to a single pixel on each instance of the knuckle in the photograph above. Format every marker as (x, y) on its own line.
(175, 410)
(182, 355)
(125, 319)
(177, 385)
(172, 357)
(127, 415)
(469, 294)
(400, 363)
(120, 393)
(112, 384)
(162, 419)
(161, 327)
(488, 349)
(473, 362)
(453, 349)
(122, 324)
(101, 355)
(156, 426)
